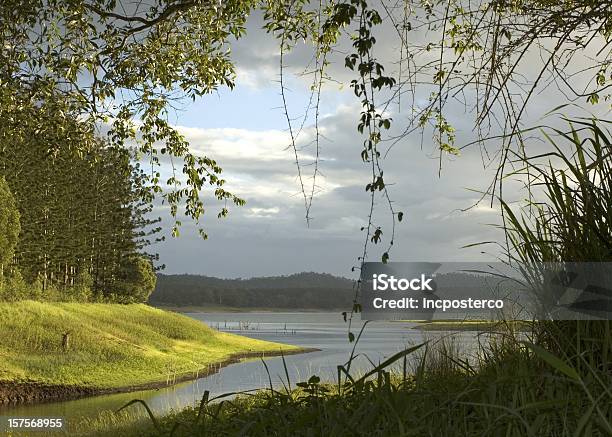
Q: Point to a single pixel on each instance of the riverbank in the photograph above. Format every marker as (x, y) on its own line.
(60, 351)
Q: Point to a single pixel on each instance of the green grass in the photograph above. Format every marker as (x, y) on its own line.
(111, 345)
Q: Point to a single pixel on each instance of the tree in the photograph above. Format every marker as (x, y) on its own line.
(137, 280)
(9, 225)
(105, 68)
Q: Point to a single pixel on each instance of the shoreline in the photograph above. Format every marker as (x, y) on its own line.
(242, 310)
(472, 325)
(14, 393)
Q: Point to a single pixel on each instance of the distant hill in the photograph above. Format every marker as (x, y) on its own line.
(306, 290)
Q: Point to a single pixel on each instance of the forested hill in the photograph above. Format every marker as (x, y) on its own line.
(301, 290)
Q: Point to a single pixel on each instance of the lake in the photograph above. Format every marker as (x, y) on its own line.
(324, 331)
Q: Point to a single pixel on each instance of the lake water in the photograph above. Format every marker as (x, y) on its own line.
(324, 331)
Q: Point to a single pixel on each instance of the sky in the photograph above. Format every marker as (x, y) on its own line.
(245, 131)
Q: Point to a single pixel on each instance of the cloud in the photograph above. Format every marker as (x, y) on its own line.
(238, 144)
(263, 212)
(259, 167)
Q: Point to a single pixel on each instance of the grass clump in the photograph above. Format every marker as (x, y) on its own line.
(110, 345)
(571, 221)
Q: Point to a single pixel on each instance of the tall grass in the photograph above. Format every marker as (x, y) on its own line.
(572, 223)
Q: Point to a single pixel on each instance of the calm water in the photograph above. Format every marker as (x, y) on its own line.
(324, 331)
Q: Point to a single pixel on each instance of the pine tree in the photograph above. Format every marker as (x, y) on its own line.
(84, 210)
(9, 225)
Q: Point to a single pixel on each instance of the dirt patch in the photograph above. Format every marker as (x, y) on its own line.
(30, 392)
(12, 392)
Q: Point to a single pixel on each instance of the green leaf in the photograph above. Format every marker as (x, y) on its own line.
(584, 420)
(391, 360)
(314, 379)
(553, 361)
(149, 412)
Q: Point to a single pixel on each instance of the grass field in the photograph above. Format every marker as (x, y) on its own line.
(110, 345)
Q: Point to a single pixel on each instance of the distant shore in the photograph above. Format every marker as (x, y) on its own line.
(230, 309)
(471, 325)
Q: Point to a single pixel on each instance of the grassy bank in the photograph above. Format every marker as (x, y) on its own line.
(110, 346)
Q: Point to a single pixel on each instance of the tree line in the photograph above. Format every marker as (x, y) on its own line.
(306, 290)
(74, 211)
(299, 291)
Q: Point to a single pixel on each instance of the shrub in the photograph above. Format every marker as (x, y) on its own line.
(137, 282)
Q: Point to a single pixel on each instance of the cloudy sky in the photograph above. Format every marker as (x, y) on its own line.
(245, 131)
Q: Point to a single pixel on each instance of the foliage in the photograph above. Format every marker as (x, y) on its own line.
(9, 225)
(137, 280)
(83, 67)
(13, 287)
(554, 380)
(485, 53)
(571, 220)
(479, 54)
(123, 65)
(70, 68)
(102, 66)
(84, 206)
(83, 286)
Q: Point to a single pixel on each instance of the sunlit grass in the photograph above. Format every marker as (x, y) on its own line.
(110, 345)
